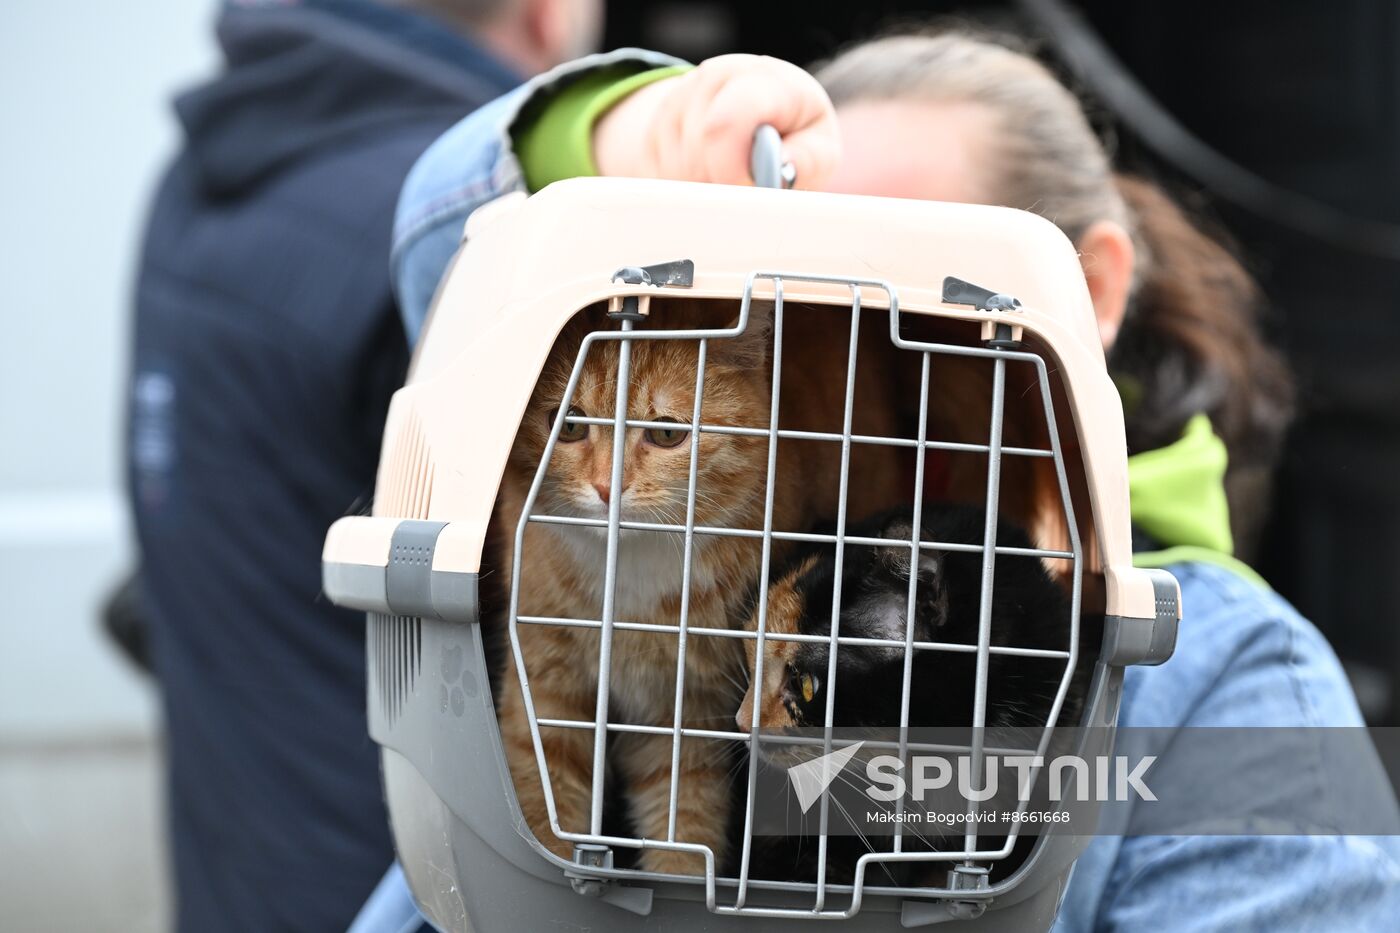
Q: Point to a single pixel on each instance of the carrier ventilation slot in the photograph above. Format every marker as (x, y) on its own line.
(396, 658)
(407, 487)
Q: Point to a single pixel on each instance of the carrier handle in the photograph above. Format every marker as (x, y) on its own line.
(766, 164)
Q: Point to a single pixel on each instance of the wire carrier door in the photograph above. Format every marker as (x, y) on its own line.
(968, 863)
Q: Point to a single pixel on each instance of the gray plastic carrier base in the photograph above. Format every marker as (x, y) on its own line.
(473, 864)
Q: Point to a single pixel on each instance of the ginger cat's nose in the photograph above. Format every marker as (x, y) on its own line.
(744, 718)
(603, 491)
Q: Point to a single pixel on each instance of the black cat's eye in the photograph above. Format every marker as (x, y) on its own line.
(570, 433)
(666, 437)
(804, 685)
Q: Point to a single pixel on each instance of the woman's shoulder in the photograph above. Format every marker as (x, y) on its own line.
(1244, 657)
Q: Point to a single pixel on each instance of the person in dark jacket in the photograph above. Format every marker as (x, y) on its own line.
(267, 344)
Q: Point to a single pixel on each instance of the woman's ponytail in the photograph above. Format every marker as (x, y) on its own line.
(1191, 343)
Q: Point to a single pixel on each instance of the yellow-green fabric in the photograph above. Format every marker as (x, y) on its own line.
(1178, 492)
(558, 142)
(1177, 497)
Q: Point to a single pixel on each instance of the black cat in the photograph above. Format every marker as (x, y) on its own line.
(1029, 609)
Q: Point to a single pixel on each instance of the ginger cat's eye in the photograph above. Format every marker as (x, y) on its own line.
(666, 437)
(570, 433)
(809, 688)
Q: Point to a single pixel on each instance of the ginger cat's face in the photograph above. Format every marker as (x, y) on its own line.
(731, 469)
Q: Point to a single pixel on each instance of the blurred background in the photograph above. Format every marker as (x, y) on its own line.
(1277, 121)
(84, 102)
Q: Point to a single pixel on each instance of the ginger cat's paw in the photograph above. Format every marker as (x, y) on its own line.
(668, 862)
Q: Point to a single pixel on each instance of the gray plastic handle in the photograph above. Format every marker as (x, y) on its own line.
(766, 160)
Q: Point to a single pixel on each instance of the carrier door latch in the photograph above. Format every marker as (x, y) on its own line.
(999, 336)
(970, 881)
(634, 899)
(679, 273)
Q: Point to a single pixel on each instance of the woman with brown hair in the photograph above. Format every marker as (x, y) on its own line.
(1177, 312)
(952, 117)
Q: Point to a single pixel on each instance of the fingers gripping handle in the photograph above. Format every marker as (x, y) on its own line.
(766, 163)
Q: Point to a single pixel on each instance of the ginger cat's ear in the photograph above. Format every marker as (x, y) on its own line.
(752, 348)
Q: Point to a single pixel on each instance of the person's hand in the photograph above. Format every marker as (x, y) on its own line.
(699, 126)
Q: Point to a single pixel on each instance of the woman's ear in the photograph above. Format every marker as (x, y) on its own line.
(1107, 255)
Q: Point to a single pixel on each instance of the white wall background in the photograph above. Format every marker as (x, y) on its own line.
(85, 126)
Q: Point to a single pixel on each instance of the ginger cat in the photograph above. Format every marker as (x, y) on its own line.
(562, 566)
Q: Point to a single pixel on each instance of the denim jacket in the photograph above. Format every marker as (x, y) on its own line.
(1244, 657)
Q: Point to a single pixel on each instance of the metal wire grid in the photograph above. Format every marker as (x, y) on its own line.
(970, 855)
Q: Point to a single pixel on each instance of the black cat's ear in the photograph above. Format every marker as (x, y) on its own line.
(752, 348)
(931, 599)
(931, 594)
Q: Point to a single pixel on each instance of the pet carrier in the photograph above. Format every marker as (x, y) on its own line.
(1019, 350)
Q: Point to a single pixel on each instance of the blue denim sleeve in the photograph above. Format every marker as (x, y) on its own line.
(463, 170)
(390, 908)
(1244, 658)
(469, 165)
(1207, 884)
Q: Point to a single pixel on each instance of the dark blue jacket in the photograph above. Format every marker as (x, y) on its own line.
(267, 345)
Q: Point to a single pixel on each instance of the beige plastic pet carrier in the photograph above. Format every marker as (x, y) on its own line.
(1005, 379)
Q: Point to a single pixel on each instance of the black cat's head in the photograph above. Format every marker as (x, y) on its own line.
(874, 604)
